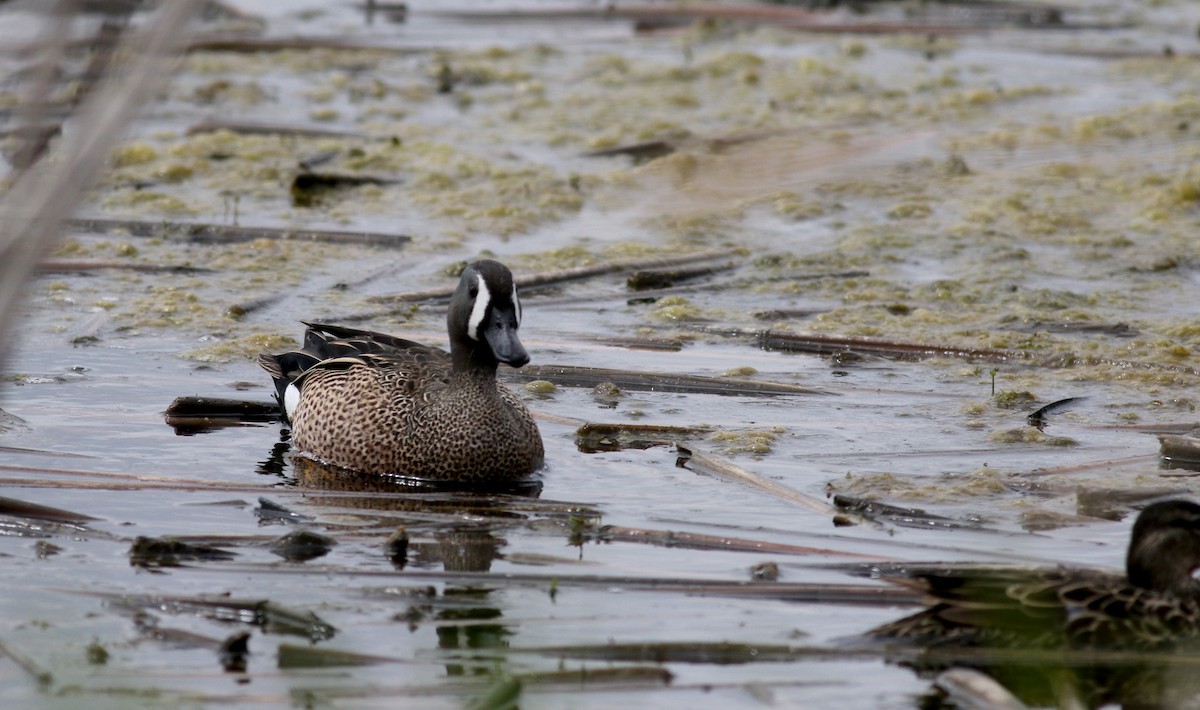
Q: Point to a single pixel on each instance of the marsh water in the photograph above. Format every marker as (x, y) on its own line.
(1018, 203)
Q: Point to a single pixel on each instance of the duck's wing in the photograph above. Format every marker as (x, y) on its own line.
(328, 341)
(332, 350)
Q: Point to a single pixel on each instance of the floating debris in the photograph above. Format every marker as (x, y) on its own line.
(269, 512)
(1038, 418)
(666, 278)
(1180, 451)
(396, 547)
(173, 552)
(895, 515)
(765, 572)
(592, 437)
(302, 546)
(199, 415)
(313, 189)
(235, 652)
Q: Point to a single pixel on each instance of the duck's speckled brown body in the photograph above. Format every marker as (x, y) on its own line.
(378, 404)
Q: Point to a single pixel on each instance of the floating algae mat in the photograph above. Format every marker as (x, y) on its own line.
(805, 291)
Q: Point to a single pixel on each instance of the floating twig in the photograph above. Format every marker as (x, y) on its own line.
(61, 266)
(254, 128)
(254, 45)
(24, 509)
(576, 273)
(226, 234)
(640, 152)
(578, 376)
(701, 541)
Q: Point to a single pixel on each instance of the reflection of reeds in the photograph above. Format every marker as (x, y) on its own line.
(44, 194)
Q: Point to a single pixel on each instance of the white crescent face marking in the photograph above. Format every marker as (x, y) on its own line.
(291, 399)
(482, 299)
(517, 305)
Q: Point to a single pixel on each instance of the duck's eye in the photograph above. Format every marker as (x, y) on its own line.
(472, 290)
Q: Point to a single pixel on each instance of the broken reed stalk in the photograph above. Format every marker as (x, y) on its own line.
(34, 207)
(576, 273)
(701, 462)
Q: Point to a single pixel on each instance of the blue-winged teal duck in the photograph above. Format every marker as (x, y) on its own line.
(1155, 604)
(375, 403)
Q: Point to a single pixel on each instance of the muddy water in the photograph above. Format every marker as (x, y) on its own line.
(996, 190)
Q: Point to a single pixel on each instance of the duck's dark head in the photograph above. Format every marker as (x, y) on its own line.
(485, 314)
(1165, 547)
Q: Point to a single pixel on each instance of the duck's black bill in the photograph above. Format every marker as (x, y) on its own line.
(506, 347)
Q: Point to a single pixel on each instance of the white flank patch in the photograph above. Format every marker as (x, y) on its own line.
(291, 399)
(479, 310)
(517, 305)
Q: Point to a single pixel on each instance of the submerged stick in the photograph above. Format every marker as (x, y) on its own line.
(229, 234)
(43, 677)
(1091, 465)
